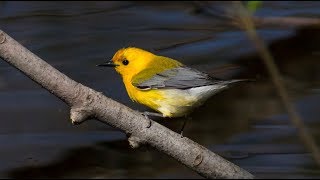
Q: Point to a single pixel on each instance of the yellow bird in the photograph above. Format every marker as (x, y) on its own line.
(164, 84)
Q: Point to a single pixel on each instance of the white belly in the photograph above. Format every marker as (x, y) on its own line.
(179, 103)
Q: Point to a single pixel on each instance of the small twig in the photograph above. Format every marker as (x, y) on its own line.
(279, 22)
(229, 14)
(285, 22)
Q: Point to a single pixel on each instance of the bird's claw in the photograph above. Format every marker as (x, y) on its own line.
(149, 121)
(181, 134)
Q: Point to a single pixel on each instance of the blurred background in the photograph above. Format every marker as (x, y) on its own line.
(245, 124)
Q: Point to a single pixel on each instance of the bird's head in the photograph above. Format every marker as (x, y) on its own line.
(130, 61)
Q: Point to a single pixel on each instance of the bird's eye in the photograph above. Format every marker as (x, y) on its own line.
(125, 62)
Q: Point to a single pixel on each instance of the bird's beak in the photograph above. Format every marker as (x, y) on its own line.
(108, 64)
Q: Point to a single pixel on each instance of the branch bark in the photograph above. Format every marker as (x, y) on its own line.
(86, 103)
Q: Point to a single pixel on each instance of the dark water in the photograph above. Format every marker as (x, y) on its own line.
(246, 124)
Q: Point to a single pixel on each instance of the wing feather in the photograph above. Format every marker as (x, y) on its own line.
(180, 77)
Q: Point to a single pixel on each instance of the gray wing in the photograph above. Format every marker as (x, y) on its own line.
(181, 78)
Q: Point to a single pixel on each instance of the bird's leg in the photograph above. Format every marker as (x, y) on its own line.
(147, 114)
(184, 124)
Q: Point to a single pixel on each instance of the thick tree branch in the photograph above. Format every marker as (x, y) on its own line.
(86, 103)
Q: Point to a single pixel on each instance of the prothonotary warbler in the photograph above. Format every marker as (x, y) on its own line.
(164, 84)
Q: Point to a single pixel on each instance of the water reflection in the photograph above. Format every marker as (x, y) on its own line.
(245, 124)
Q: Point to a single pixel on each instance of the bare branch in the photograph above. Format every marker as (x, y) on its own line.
(86, 103)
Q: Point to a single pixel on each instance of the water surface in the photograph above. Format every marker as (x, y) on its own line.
(246, 124)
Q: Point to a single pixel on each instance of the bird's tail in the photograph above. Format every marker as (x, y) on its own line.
(234, 81)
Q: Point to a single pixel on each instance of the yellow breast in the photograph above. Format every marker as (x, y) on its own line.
(149, 98)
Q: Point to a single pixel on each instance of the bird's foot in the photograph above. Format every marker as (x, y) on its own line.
(147, 114)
